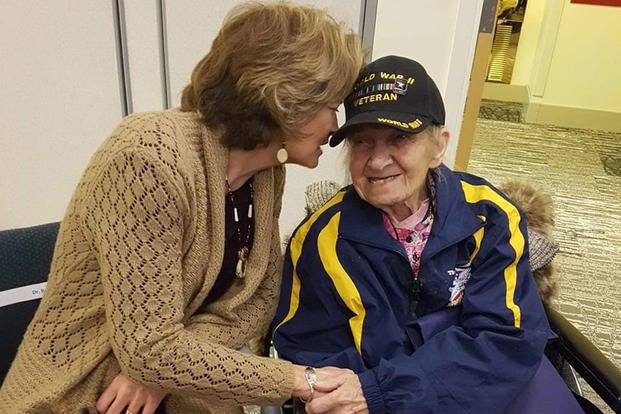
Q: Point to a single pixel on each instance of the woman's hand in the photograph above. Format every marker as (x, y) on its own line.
(125, 396)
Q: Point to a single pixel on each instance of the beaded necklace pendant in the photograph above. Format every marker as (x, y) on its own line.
(244, 251)
(242, 256)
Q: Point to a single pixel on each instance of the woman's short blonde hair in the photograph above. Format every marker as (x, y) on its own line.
(270, 69)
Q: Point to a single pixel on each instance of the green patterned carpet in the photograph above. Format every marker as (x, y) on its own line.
(580, 169)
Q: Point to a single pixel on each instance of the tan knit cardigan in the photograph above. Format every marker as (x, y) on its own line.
(139, 248)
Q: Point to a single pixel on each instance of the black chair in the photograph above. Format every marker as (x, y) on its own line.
(25, 257)
(573, 351)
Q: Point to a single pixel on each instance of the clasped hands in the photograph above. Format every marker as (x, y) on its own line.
(337, 391)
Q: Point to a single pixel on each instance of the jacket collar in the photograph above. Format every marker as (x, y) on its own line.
(455, 219)
(363, 223)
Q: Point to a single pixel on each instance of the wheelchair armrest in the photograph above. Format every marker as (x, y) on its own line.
(597, 370)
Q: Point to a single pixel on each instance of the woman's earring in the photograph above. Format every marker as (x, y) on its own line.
(282, 155)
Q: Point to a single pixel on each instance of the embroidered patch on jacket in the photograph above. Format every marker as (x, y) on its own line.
(461, 274)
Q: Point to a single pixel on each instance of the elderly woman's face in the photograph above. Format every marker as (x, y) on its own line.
(389, 167)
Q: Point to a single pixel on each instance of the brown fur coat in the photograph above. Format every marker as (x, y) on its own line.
(539, 211)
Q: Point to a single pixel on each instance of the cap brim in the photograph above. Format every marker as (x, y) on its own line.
(397, 120)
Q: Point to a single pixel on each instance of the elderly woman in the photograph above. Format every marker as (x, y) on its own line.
(408, 240)
(168, 257)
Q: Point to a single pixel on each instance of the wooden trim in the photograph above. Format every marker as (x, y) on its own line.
(473, 100)
(459, 71)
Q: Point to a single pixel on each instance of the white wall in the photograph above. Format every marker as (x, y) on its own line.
(60, 97)
(586, 63)
(569, 55)
(441, 35)
(528, 42)
(145, 65)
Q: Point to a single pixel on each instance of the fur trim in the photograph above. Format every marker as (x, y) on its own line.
(539, 210)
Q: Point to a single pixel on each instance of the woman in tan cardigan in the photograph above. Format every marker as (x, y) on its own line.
(168, 257)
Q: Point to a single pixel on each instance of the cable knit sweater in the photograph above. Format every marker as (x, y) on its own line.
(139, 248)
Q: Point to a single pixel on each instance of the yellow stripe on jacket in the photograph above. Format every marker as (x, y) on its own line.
(326, 246)
(297, 241)
(478, 193)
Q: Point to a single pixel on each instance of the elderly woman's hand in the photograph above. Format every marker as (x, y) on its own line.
(125, 396)
(337, 391)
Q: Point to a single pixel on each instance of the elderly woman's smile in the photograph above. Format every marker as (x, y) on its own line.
(382, 180)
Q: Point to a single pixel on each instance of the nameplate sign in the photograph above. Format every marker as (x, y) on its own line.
(22, 294)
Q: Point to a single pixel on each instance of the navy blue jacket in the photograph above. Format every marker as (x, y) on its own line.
(347, 301)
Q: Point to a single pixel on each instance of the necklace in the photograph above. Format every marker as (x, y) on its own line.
(244, 250)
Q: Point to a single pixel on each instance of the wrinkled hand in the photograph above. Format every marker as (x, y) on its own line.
(337, 391)
(123, 393)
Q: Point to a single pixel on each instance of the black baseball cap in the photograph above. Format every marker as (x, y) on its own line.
(393, 91)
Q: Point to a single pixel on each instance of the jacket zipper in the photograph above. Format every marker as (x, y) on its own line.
(415, 282)
(414, 287)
